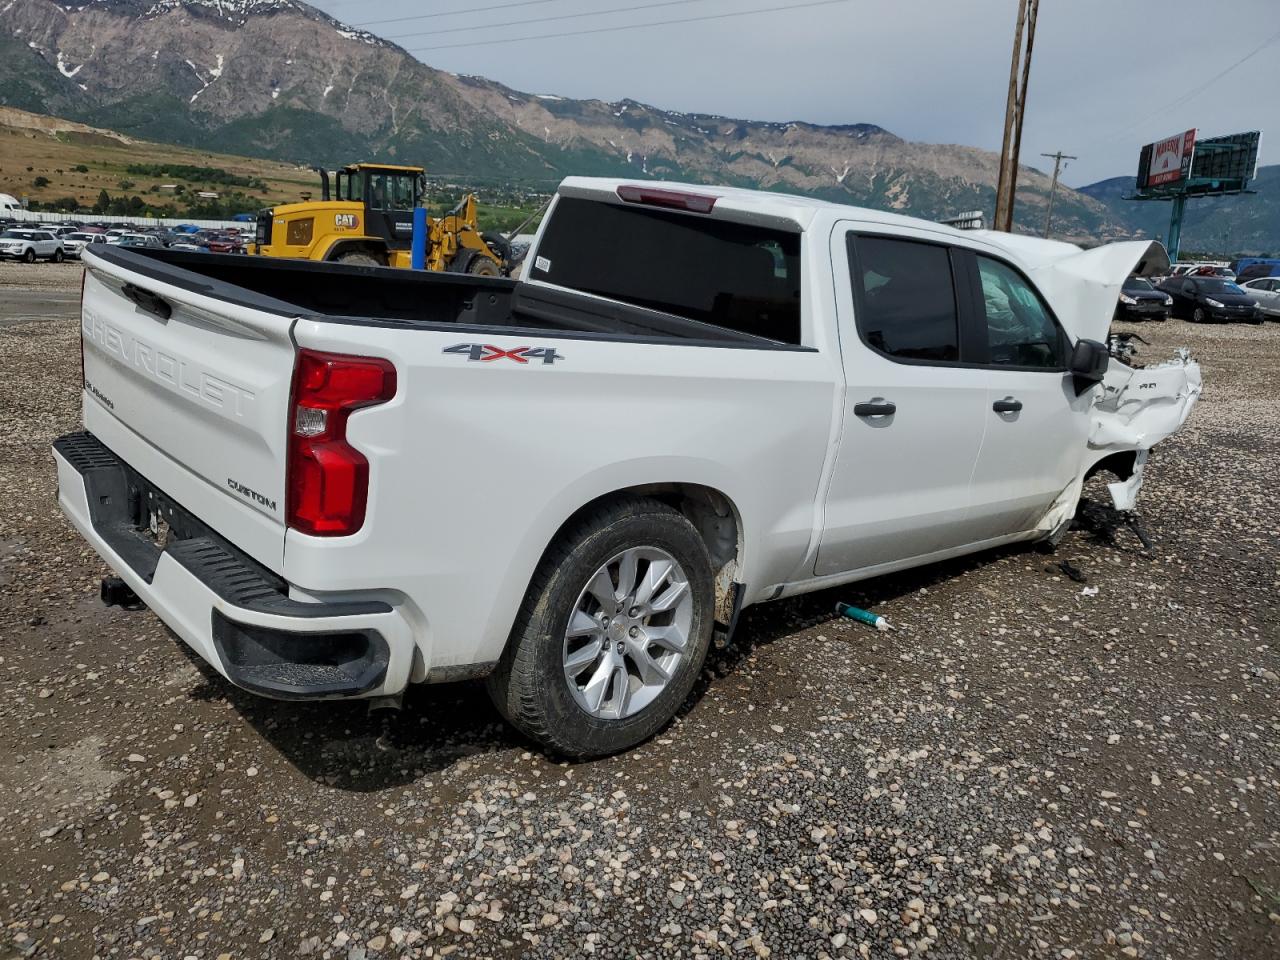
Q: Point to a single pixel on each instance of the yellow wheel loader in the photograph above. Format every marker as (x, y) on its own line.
(367, 219)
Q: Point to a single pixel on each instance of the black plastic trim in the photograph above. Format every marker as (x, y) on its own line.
(290, 665)
(120, 501)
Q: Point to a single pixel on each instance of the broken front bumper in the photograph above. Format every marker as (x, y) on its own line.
(1137, 409)
(238, 616)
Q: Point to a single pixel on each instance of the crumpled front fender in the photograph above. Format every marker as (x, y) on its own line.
(1137, 408)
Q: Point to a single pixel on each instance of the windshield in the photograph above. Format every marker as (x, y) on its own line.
(1214, 285)
(79, 236)
(15, 235)
(1137, 283)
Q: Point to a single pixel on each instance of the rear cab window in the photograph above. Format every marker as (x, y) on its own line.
(737, 276)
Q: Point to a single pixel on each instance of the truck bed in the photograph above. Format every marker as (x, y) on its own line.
(438, 301)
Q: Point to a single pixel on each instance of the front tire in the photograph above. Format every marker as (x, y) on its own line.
(475, 263)
(357, 258)
(1197, 315)
(57, 256)
(29, 257)
(612, 633)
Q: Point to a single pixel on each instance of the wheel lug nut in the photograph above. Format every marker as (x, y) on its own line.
(606, 621)
(634, 631)
(635, 612)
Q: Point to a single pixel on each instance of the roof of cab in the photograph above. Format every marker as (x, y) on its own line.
(383, 166)
(799, 210)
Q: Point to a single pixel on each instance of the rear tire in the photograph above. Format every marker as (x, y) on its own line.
(356, 258)
(532, 686)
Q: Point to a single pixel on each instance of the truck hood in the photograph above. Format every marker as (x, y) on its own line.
(1083, 286)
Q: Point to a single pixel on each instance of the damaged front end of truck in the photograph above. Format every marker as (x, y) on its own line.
(1134, 407)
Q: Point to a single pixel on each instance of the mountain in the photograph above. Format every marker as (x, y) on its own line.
(1247, 224)
(282, 80)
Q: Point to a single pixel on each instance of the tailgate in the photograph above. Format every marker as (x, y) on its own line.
(192, 391)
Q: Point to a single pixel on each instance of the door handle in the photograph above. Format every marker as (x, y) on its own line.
(876, 407)
(1007, 405)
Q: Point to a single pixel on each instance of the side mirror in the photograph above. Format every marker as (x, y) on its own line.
(1089, 361)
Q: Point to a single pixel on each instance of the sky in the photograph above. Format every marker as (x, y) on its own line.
(1106, 75)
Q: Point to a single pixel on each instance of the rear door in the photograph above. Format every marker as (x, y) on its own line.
(1036, 427)
(914, 413)
(192, 389)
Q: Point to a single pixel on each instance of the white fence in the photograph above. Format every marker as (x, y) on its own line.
(36, 216)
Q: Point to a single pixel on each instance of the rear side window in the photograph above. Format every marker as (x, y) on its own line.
(1020, 330)
(906, 298)
(737, 276)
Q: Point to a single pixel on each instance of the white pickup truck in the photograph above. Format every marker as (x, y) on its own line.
(334, 481)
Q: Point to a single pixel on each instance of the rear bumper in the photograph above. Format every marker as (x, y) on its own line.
(234, 613)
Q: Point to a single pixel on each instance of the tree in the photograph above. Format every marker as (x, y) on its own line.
(40, 182)
(102, 203)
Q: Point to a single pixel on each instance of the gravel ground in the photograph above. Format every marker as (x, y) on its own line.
(1023, 769)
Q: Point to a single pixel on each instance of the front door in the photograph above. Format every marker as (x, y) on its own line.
(1037, 428)
(390, 202)
(913, 414)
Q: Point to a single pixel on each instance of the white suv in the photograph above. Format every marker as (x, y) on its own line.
(30, 245)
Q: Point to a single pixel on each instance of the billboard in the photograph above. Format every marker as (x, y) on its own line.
(1167, 161)
(1233, 157)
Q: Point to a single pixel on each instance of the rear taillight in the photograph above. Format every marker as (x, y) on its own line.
(328, 479)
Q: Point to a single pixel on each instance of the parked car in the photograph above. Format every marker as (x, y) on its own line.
(74, 242)
(1202, 299)
(1266, 291)
(114, 234)
(31, 245)
(1139, 300)
(189, 244)
(139, 240)
(700, 399)
(222, 242)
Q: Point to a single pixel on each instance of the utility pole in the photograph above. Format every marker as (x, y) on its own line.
(1015, 108)
(1053, 190)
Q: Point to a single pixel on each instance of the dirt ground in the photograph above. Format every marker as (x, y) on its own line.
(1023, 769)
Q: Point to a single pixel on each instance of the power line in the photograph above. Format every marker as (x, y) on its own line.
(1189, 95)
(561, 16)
(450, 13)
(629, 26)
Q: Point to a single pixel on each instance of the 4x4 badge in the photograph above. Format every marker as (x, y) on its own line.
(487, 353)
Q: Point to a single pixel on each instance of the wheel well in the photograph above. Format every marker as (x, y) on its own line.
(1121, 464)
(371, 247)
(712, 514)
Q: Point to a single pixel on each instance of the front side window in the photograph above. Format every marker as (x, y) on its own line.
(402, 192)
(906, 306)
(1020, 330)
